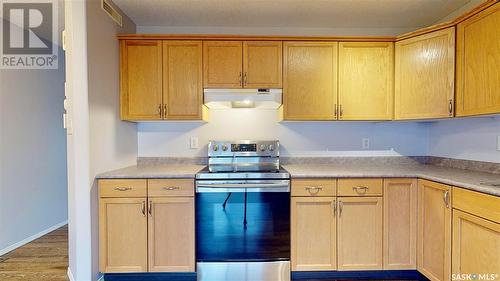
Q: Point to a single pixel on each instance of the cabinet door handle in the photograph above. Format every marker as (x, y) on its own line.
(170, 187)
(241, 79)
(123, 188)
(159, 110)
(314, 189)
(341, 112)
(335, 112)
(245, 79)
(165, 110)
(334, 207)
(363, 189)
(341, 206)
(143, 208)
(150, 208)
(446, 198)
(450, 107)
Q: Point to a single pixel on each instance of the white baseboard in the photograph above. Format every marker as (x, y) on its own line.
(70, 275)
(31, 238)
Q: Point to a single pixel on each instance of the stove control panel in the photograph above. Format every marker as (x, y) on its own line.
(243, 148)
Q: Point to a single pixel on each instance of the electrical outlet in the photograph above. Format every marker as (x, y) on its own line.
(366, 143)
(193, 143)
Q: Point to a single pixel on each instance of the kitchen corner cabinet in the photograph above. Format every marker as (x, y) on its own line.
(141, 79)
(425, 75)
(366, 80)
(400, 224)
(161, 80)
(359, 236)
(310, 80)
(478, 63)
(476, 232)
(242, 64)
(434, 230)
(313, 233)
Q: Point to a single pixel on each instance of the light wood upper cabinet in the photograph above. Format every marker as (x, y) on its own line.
(434, 230)
(171, 234)
(141, 79)
(478, 63)
(366, 80)
(313, 233)
(476, 244)
(182, 80)
(262, 64)
(123, 243)
(424, 76)
(359, 233)
(222, 64)
(310, 80)
(400, 224)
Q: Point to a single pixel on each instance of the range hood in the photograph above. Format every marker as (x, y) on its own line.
(242, 98)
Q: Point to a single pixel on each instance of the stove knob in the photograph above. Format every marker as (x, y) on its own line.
(216, 147)
(271, 147)
(262, 147)
(224, 147)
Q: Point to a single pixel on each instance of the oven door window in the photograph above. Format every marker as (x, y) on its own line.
(242, 226)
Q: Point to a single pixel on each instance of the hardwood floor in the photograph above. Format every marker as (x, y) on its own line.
(44, 259)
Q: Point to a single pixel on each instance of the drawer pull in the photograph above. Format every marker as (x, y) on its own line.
(123, 188)
(314, 189)
(360, 189)
(143, 208)
(171, 188)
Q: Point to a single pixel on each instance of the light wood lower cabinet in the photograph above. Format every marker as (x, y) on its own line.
(123, 242)
(476, 245)
(313, 233)
(359, 235)
(434, 230)
(171, 234)
(400, 224)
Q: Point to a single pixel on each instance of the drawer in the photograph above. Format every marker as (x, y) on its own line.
(476, 203)
(123, 188)
(359, 187)
(314, 187)
(170, 187)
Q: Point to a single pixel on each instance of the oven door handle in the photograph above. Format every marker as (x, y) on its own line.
(242, 187)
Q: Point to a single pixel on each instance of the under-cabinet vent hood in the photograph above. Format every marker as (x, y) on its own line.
(242, 98)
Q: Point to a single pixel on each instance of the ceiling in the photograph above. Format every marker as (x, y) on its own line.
(289, 13)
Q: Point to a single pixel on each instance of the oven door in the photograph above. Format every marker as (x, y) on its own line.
(242, 220)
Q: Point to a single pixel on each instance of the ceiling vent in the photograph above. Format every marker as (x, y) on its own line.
(112, 12)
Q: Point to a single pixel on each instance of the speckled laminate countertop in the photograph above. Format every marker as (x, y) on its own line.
(477, 181)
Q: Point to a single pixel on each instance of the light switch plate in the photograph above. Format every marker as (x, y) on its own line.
(366, 143)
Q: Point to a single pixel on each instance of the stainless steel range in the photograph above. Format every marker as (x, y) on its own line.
(243, 213)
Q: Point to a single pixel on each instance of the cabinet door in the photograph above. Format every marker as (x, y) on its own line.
(171, 234)
(400, 224)
(425, 75)
(434, 230)
(123, 235)
(182, 80)
(366, 80)
(310, 80)
(262, 64)
(476, 245)
(222, 64)
(313, 234)
(478, 63)
(359, 233)
(141, 79)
